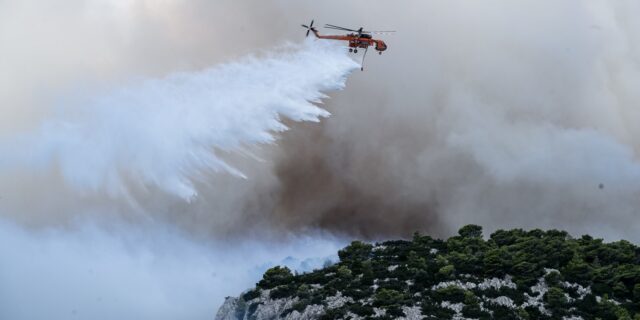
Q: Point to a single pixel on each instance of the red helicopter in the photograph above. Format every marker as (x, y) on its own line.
(357, 38)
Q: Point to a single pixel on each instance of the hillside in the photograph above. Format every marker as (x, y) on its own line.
(513, 274)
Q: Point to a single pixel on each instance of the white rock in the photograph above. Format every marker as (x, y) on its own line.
(228, 309)
(379, 312)
(338, 300)
(456, 283)
(502, 301)
(353, 316)
(497, 283)
(456, 307)
(582, 291)
(411, 313)
(313, 311)
(271, 309)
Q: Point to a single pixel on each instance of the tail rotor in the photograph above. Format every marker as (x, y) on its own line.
(309, 28)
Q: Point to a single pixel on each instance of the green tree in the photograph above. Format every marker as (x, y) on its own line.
(414, 261)
(636, 292)
(577, 270)
(470, 297)
(523, 314)
(447, 270)
(470, 231)
(556, 300)
(387, 297)
(507, 237)
(356, 251)
(344, 273)
(276, 276)
(620, 290)
(451, 293)
(367, 274)
(553, 278)
(610, 310)
(304, 291)
(497, 262)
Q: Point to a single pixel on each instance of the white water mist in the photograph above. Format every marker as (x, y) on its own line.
(165, 132)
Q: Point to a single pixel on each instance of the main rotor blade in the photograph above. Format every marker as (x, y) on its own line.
(341, 29)
(305, 26)
(330, 26)
(334, 26)
(338, 28)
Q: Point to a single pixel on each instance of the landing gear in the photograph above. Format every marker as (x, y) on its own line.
(380, 52)
(350, 50)
(355, 50)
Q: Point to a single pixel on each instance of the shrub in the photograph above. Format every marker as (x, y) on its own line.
(356, 251)
(361, 310)
(337, 313)
(553, 278)
(276, 276)
(387, 297)
(395, 311)
(446, 270)
(555, 299)
(450, 293)
(251, 294)
(284, 291)
(344, 273)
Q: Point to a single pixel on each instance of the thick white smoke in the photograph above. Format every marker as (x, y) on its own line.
(165, 132)
(151, 272)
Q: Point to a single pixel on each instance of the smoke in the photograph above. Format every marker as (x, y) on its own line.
(504, 115)
(150, 272)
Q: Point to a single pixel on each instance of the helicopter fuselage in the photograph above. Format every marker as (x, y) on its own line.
(356, 41)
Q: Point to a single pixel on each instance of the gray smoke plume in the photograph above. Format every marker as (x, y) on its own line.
(501, 114)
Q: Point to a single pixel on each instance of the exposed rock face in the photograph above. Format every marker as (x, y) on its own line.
(310, 312)
(514, 275)
(262, 308)
(228, 309)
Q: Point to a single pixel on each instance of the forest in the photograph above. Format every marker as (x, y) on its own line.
(512, 274)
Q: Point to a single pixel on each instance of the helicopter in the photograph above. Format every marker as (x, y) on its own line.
(358, 39)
